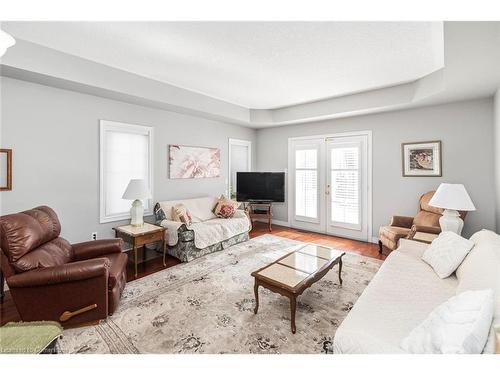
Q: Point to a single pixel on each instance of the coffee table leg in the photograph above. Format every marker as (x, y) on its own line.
(256, 291)
(293, 308)
(340, 271)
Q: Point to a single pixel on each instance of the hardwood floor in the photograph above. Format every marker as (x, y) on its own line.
(8, 312)
(362, 248)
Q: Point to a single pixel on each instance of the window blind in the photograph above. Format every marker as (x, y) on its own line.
(125, 155)
(306, 183)
(345, 189)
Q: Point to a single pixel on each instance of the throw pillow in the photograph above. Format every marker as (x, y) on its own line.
(225, 208)
(159, 213)
(446, 252)
(181, 213)
(460, 325)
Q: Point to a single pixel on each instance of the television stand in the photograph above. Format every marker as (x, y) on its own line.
(261, 210)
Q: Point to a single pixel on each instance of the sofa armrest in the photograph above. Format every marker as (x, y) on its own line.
(240, 214)
(185, 234)
(170, 224)
(96, 249)
(425, 229)
(402, 221)
(68, 272)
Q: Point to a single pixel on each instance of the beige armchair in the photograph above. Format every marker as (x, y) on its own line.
(424, 226)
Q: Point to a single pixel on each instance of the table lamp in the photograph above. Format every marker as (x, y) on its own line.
(453, 198)
(136, 190)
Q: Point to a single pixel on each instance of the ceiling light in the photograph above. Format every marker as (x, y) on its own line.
(6, 41)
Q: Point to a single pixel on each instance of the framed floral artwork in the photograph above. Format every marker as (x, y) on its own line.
(422, 159)
(194, 162)
(5, 169)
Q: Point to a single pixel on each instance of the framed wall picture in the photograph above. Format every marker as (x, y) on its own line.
(421, 159)
(194, 162)
(5, 169)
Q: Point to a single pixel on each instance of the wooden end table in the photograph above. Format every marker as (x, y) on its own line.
(293, 273)
(141, 236)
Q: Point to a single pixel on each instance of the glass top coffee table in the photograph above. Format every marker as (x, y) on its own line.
(293, 273)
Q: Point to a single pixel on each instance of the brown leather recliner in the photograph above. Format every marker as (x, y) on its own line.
(426, 221)
(50, 279)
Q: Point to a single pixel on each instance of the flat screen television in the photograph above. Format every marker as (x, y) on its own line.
(260, 186)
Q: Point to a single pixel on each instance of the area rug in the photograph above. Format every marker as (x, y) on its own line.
(206, 306)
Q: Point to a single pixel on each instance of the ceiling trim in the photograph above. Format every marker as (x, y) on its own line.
(38, 64)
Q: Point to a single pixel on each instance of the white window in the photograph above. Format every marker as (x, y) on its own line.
(306, 183)
(125, 153)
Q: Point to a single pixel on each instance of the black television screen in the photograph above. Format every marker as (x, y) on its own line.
(260, 186)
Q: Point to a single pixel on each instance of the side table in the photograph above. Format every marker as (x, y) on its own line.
(258, 211)
(141, 236)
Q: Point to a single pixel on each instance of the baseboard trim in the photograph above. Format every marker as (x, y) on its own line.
(373, 239)
(277, 222)
(281, 222)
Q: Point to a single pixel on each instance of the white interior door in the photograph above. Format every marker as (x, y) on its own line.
(240, 160)
(329, 185)
(347, 187)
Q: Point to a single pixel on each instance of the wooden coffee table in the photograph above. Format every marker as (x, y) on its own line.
(293, 273)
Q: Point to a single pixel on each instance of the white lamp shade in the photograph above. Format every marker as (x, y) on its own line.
(137, 189)
(452, 197)
(6, 41)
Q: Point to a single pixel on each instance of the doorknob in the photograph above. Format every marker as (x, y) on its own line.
(327, 192)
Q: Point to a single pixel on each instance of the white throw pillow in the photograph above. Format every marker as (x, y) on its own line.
(460, 325)
(446, 252)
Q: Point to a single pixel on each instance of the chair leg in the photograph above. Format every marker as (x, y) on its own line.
(380, 247)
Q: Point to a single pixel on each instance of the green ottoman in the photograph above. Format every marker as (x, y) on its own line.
(29, 337)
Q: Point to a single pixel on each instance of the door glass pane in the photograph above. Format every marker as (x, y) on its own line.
(345, 196)
(306, 193)
(345, 184)
(306, 183)
(345, 158)
(306, 159)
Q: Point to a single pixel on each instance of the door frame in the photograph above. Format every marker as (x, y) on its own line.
(237, 142)
(369, 182)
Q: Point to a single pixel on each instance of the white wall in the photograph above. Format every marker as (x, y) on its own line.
(466, 132)
(54, 135)
(497, 157)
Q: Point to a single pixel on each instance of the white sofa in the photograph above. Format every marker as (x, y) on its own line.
(406, 289)
(206, 234)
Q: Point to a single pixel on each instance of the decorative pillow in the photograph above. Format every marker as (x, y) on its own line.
(181, 213)
(446, 253)
(460, 325)
(159, 213)
(225, 208)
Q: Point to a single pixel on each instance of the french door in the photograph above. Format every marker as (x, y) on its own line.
(329, 185)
